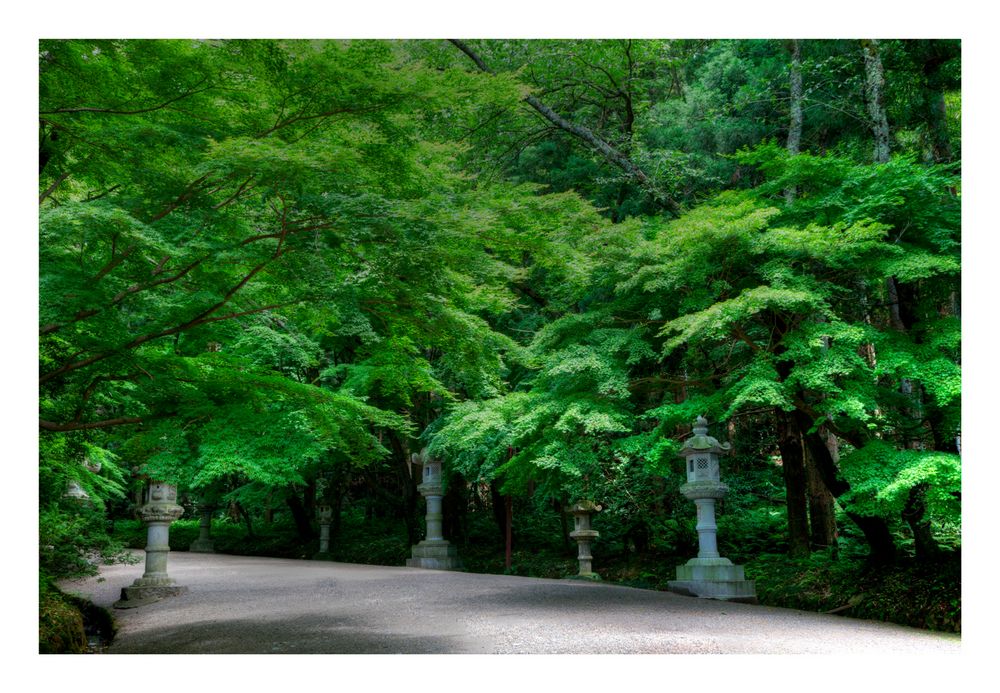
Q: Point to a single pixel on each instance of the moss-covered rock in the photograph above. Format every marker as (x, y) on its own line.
(60, 625)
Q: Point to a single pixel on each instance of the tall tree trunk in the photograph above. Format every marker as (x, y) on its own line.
(794, 471)
(246, 519)
(795, 110)
(498, 506)
(915, 514)
(455, 506)
(937, 125)
(408, 488)
(875, 99)
(875, 529)
(299, 515)
(822, 519)
(560, 507)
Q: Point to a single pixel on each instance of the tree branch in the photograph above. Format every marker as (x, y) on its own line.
(51, 188)
(611, 154)
(52, 426)
(112, 111)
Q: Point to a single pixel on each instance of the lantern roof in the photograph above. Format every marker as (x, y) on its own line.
(585, 506)
(702, 442)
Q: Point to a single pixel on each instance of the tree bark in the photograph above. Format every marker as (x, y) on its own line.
(822, 518)
(299, 515)
(499, 512)
(875, 529)
(794, 471)
(875, 99)
(409, 491)
(795, 110)
(925, 546)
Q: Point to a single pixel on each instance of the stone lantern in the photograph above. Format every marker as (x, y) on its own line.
(159, 511)
(324, 513)
(434, 551)
(73, 488)
(709, 575)
(584, 535)
(76, 492)
(204, 543)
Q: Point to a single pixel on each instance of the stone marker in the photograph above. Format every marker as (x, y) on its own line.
(709, 575)
(204, 543)
(584, 535)
(158, 513)
(434, 551)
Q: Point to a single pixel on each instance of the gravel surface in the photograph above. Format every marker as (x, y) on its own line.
(241, 604)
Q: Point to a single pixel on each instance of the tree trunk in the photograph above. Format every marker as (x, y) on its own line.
(455, 505)
(408, 487)
(563, 524)
(795, 110)
(915, 514)
(246, 519)
(875, 99)
(299, 515)
(509, 535)
(937, 125)
(875, 529)
(499, 510)
(793, 469)
(822, 519)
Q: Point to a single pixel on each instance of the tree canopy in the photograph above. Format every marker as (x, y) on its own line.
(266, 263)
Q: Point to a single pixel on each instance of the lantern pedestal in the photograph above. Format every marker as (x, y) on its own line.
(709, 576)
(204, 543)
(584, 535)
(436, 555)
(158, 513)
(324, 514)
(713, 578)
(434, 552)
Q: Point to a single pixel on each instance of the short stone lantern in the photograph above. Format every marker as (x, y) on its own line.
(324, 514)
(584, 535)
(709, 575)
(73, 488)
(159, 511)
(434, 551)
(76, 492)
(204, 543)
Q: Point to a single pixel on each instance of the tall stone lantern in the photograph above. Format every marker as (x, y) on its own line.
(709, 575)
(434, 551)
(204, 543)
(583, 534)
(324, 514)
(159, 511)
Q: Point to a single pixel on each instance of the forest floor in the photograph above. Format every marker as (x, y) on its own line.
(242, 604)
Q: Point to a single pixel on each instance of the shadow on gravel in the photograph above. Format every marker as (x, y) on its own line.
(591, 598)
(303, 635)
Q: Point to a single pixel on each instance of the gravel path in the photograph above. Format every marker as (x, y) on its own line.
(240, 604)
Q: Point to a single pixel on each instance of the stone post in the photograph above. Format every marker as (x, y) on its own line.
(584, 535)
(158, 513)
(434, 551)
(709, 575)
(204, 543)
(324, 514)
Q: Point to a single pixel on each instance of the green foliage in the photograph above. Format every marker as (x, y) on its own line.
(278, 267)
(881, 478)
(909, 594)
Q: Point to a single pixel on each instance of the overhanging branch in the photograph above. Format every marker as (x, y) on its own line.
(609, 153)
